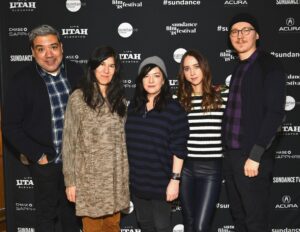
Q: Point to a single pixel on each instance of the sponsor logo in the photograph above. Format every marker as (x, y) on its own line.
(290, 129)
(20, 58)
(293, 80)
(226, 228)
(24, 206)
(125, 30)
(178, 228)
(17, 31)
(289, 54)
(286, 230)
(181, 3)
(287, 2)
(227, 80)
(290, 103)
(286, 203)
(227, 55)
(236, 3)
(123, 4)
(175, 206)
(289, 26)
(222, 206)
(182, 28)
(130, 209)
(25, 229)
(130, 57)
(128, 84)
(25, 183)
(74, 32)
(178, 53)
(286, 154)
(76, 59)
(130, 229)
(74, 5)
(222, 28)
(286, 179)
(22, 6)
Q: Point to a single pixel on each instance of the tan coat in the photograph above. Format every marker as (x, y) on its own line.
(95, 158)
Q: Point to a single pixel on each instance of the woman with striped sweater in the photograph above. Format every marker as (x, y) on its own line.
(201, 175)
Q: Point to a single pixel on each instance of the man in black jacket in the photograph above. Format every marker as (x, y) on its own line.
(33, 116)
(254, 113)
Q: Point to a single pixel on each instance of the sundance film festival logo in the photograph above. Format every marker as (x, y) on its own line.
(25, 183)
(222, 28)
(290, 129)
(287, 2)
(130, 57)
(226, 228)
(24, 206)
(236, 3)
(181, 3)
(289, 26)
(123, 4)
(286, 229)
(227, 55)
(74, 32)
(20, 58)
(286, 203)
(289, 54)
(293, 80)
(22, 6)
(76, 58)
(222, 206)
(17, 31)
(125, 30)
(25, 229)
(286, 179)
(182, 28)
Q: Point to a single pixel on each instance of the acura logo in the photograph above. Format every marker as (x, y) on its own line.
(290, 21)
(286, 199)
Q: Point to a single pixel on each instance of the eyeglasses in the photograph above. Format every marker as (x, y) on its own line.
(244, 31)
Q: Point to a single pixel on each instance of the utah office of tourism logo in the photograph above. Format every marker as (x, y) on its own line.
(25, 183)
(290, 129)
(74, 32)
(130, 57)
(22, 6)
(182, 28)
(25, 229)
(286, 203)
(123, 4)
(290, 26)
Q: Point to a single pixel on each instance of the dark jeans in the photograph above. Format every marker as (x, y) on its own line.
(153, 215)
(199, 192)
(248, 196)
(50, 199)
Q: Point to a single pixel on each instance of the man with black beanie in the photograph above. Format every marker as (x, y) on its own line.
(254, 113)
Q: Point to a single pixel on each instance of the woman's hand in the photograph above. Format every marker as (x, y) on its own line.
(172, 190)
(71, 193)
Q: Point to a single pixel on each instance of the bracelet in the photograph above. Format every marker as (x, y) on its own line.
(175, 176)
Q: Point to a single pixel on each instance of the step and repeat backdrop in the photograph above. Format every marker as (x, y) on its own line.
(167, 28)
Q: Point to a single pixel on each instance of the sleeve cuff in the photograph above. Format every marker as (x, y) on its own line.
(256, 152)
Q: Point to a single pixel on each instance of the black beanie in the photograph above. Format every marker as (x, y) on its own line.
(244, 17)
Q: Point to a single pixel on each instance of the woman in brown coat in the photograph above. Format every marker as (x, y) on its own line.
(95, 161)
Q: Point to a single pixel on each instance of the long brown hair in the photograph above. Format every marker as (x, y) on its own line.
(211, 97)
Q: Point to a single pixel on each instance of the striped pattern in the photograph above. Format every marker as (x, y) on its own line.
(152, 139)
(205, 130)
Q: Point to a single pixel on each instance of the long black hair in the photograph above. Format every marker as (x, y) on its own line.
(91, 90)
(140, 96)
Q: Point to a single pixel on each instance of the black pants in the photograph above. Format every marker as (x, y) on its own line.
(50, 199)
(248, 196)
(199, 192)
(153, 215)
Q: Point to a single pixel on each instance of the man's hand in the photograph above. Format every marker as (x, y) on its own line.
(43, 160)
(251, 168)
(71, 193)
(172, 190)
